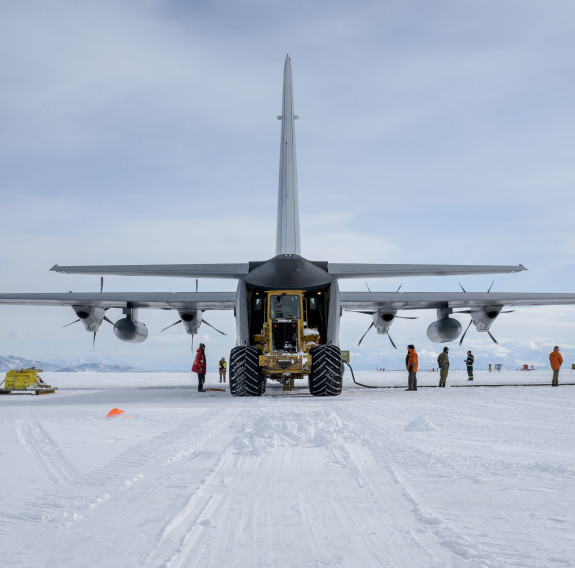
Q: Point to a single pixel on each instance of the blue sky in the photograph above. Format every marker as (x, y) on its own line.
(145, 132)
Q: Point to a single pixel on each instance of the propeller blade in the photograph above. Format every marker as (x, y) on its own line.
(463, 312)
(408, 317)
(507, 312)
(391, 341)
(493, 338)
(463, 336)
(172, 325)
(101, 284)
(109, 320)
(491, 286)
(372, 324)
(193, 343)
(368, 287)
(196, 284)
(75, 321)
(94, 341)
(399, 287)
(462, 287)
(208, 323)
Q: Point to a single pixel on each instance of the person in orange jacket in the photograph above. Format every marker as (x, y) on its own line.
(411, 365)
(199, 367)
(556, 361)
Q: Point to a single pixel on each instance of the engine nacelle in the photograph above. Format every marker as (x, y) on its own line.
(484, 316)
(444, 330)
(90, 316)
(130, 330)
(383, 319)
(191, 319)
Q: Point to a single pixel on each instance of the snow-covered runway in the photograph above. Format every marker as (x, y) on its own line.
(457, 477)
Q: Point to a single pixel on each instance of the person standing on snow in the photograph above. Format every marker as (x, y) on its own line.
(443, 362)
(199, 367)
(469, 362)
(556, 361)
(411, 365)
(222, 368)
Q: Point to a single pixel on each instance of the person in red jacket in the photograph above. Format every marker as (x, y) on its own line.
(199, 367)
(411, 365)
(556, 361)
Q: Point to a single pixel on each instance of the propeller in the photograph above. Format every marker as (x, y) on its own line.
(105, 318)
(469, 312)
(359, 343)
(389, 336)
(202, 319)
(372, 325)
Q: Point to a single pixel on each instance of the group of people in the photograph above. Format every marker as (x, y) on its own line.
(199, 367)
(411, 364)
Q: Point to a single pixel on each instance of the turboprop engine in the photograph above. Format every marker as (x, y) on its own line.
(129, 328)
(191, 319)
(484, 316)
(383, 319)
(91, 317)
(445, 328)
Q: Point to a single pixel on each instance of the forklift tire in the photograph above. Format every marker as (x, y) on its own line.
(326, 375)
(246, 377)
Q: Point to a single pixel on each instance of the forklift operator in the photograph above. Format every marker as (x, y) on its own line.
(285, 306)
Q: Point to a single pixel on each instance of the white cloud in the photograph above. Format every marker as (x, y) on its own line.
(146, 133)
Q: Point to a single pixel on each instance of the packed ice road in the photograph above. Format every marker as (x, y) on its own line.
(454, 477)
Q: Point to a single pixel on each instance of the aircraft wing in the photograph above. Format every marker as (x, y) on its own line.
(373, 301)
(158, 300)
(171, 270)
(347, 270)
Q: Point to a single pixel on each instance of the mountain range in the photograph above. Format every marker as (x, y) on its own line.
(13, 362)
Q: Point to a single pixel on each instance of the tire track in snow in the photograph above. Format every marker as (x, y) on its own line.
(44, 451)
(177, 540)
(310, 520)
(144, 484)
(163, 448)
(386, 449)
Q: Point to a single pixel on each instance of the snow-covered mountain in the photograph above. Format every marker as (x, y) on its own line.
(96, 368)
(13, 362)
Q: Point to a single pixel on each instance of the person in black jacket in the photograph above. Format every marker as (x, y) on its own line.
(469, 362)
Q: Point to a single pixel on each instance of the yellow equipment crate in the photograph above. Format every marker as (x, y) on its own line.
(21, 379)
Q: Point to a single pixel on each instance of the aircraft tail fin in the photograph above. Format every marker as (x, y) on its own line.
(288, 237)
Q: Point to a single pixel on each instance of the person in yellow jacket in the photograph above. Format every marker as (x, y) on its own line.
(556, 361)
(411, 366)
(222, 365)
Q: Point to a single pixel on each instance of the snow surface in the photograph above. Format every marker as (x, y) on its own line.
(454, 477)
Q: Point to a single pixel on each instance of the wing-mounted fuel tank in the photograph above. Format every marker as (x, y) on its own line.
(129, 328)
(445, 328)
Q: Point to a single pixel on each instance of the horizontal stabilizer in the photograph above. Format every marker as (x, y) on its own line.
(345, 270)
(171, 270)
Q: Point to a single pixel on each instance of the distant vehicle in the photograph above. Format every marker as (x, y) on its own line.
(305, 341)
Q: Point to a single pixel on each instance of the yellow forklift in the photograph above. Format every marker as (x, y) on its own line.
(287, 345)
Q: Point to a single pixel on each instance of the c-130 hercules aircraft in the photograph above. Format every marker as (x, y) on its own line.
(288, 308)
